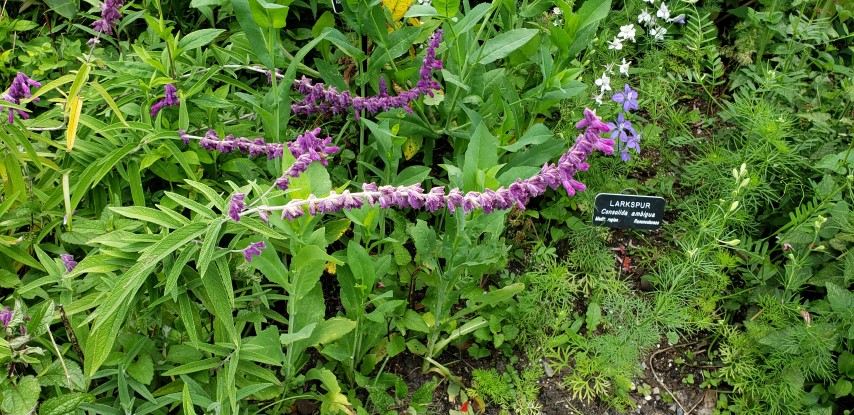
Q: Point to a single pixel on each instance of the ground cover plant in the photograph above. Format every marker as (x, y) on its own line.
(300, 207)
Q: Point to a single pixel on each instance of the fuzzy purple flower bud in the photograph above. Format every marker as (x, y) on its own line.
(253, 250)
(6, 316)
(236, 206)
(68, 261)
(169, 100)
(109, 16)
(20, 89)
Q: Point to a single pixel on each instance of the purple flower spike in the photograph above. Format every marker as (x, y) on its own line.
(169, 100)
(517, 194)
(327, 100)
(110, 16)
(20, 89)
(253, 250)
(629, 98)
(236, 206)
(68, 261)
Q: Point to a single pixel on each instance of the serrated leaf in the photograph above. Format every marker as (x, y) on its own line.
(66, 403)
(21, 398)
(142, 369)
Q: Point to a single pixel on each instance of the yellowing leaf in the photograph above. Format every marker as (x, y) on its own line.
(76, 105)
(411, 147)
(398, 7)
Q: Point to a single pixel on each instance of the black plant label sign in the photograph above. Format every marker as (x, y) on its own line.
(337, 6)
(628, 211)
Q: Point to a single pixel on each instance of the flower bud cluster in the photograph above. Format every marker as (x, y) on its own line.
(110, 16)
(169, 100)
(19, 90)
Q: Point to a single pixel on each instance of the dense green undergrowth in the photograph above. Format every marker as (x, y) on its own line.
(135, 277)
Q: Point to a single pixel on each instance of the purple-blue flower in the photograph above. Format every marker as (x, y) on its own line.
(253, 250)
(327, 100)
(20, 89)
(629, 98)
(236, 206)
(109, 16)
(629, 138)
(68, 261)
(170, 99)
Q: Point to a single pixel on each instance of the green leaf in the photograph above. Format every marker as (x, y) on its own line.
(193, 367)
(425, 243)
(537, 134)
(447, 8)
(142, 369)
(199, 38)
(288, 338)
(331, 330)
(21, 398)
(501, 45)
(845, 364)
(111, 313)
(269, 15)
(149, 215)
(481, 155)
(65, 403)
(253, 33)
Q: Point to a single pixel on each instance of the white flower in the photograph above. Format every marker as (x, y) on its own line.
(617, 44)
(556, 11)
(645, 18)
(658, 32)
(598, 98)
(624, 67)
(649, 1)
(604, 83)
(627, 32)
(609, 68)
(663, 12)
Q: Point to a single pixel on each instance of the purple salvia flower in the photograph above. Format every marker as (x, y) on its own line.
(20, 89)
(253, 147)
(253, 250)
(6, 316)
(169, 100)
(629, 98)
(68, 261)
(236, 206)
(327, 100)
(518, 193)
(109, 16)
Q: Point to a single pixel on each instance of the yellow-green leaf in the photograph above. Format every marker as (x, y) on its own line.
(76, 105)
(398, 7)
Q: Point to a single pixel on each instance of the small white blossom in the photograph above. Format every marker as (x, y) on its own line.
(663, 12)
(627, 32)
(658, 32)
(609, 68)
(645, 18)
(624, 67)
(604, 83)
(598, 98)
(649, 1)
(557, 11)
(617, 44)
